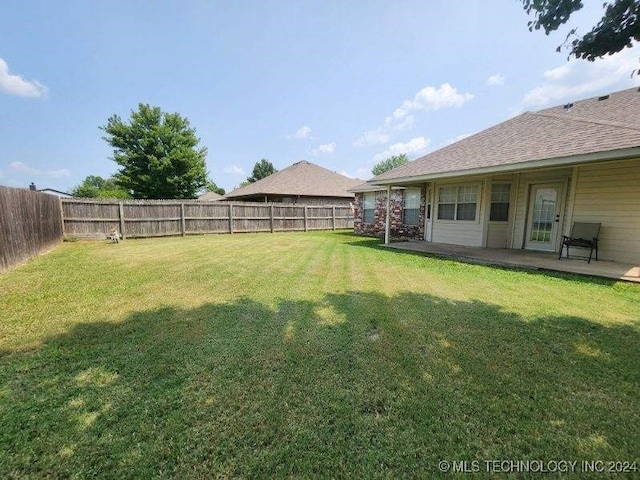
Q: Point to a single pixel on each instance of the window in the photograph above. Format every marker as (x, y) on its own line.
(411, 210)
(467, 197)
(458, 203)
(447, 203)
(369, 207)
(500, 194)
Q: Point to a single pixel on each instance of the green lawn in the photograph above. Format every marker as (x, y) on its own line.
(305, 355)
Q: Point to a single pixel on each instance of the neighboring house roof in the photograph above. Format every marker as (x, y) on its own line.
(210, 197)
(300, 179)
(52, 191)
(364, 187)
(605, 127)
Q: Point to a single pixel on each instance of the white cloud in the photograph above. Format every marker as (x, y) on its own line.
(429, 99)
(302, 133)
(372, 137)
(495, 80)
(413, 147)
(12, 84)
(20, 167)
(579, 78)
(233, 170)
(326, 148)
(558, 74)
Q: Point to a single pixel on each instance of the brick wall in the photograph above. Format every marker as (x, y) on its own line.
(399, 231)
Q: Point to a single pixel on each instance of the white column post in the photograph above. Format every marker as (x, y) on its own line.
(431, 200)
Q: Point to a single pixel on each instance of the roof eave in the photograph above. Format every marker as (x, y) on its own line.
(262, 194)
(621, 154)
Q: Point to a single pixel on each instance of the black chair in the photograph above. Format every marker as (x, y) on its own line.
(583, 235)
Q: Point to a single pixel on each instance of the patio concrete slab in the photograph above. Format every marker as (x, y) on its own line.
(525, 259)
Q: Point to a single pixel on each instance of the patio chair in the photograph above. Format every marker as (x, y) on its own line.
(583, 235)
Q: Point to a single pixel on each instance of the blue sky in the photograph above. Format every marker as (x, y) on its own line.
(342, 84)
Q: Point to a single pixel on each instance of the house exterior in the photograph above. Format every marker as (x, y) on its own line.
(302, 182)
(405, 223)
(522, 183)
(50, 191)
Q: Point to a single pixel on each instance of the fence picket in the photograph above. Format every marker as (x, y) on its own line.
(30, 223)
(151, 218)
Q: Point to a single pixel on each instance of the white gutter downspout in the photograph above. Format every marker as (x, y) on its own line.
(387, 222)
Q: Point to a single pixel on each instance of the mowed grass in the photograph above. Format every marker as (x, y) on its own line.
(305, 355)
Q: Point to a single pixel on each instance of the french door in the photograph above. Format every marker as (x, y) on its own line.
(544, 216)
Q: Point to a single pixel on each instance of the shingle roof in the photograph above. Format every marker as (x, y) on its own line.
(302, 178)
(589, 126)
(364, 187)
(210, 197)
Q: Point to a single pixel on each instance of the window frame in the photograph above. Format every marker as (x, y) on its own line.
(455, 202)
(365, 209)
(508, 202)
(412, 209)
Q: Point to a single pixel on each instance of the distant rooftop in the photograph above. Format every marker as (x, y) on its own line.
(300, 179)
(210, 197)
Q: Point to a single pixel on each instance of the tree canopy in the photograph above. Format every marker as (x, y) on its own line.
(158, 154)
(212, 187)
(261, 169)
(94, 186)
(390, 163)
(619, 25)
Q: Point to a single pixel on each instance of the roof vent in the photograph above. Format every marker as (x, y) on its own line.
(603, 97)
(568, 107)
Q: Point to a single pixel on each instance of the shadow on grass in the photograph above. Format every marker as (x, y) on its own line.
(355, 385)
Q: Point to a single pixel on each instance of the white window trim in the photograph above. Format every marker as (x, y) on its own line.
(435, 211)
(419, 207)
(364, 209)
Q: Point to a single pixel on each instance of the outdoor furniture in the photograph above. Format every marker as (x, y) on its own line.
(583, 235)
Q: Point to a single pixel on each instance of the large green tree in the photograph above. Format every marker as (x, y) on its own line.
(158, 154)
(212, 187)
(261, 169)
(94, 186)
(390, 163)
(619, 25)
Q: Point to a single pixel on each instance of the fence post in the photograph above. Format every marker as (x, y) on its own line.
(271, 216)
(183, 226)
(230, 217)
(62, 217)
(305, 218)
(333, 217)
(121, 216)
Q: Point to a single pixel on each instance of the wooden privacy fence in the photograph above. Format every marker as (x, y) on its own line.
(152, 218)
(30, 222)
